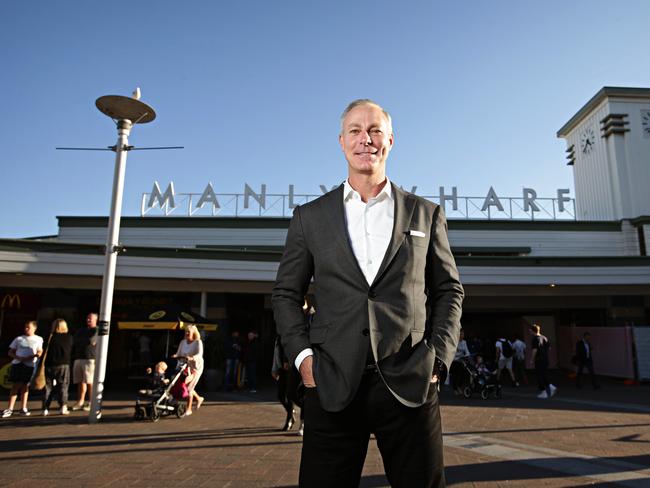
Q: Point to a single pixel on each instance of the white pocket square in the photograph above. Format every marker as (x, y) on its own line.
(416, 233)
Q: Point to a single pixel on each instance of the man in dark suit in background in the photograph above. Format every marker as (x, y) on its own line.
(585, 359)
(388, 306)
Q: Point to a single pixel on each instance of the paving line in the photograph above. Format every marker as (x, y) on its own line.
(632, 407)
(605, 470)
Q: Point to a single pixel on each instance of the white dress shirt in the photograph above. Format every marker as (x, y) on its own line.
(370, 227)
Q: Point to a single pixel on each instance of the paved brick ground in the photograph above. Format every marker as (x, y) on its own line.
(579, 438)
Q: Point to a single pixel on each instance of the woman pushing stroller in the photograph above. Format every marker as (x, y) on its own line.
(191, 349)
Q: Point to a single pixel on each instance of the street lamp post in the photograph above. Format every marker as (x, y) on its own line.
(126, 112)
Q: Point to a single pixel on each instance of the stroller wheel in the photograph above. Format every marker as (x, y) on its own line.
(155, 414)
(467, 392)
(484, 393)
(180, 409)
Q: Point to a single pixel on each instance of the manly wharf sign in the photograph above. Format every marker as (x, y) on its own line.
(259, 202)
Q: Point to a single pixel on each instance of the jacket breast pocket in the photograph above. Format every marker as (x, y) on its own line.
(318, 333)
(418, 241)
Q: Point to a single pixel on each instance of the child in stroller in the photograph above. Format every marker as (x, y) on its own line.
(165, 397)
(156, 378)
(479, 379)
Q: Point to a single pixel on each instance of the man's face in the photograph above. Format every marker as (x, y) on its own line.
(366, 140)
(91, 320)
(29, 329)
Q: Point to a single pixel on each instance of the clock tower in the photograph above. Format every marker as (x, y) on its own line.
(608, 145)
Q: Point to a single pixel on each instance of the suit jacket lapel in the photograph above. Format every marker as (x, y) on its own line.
(404, 208)
(335, 214)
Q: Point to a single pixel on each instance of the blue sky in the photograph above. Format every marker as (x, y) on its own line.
(253, 89)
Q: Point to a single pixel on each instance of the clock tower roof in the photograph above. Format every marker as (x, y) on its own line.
(603, 93)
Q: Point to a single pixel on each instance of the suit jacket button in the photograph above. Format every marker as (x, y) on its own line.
(372, 294)
(365, 332)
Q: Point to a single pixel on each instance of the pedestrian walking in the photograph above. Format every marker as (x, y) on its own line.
(190, 349)
(57, 367)
(504, 353)
(585, 359)
(250, 354)
(24, 352)
(540, 347)
(83, 368)
(232, 351)
(519, 360)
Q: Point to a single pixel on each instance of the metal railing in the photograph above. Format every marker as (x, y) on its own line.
(281, 205)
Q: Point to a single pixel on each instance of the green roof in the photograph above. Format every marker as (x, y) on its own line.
(283, 223)
(274, 255)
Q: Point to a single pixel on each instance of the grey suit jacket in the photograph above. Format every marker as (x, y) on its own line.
(410, 313)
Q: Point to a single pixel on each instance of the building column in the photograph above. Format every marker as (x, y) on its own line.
(204, 303)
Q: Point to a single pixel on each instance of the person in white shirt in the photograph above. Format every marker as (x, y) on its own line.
(457, 371)
(191, 350)
(519, 360)
(504, 357)
(462, 351)
(388, 313)
(24, 352)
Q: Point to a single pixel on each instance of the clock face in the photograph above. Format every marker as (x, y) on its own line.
(587, 141)
(645, 122)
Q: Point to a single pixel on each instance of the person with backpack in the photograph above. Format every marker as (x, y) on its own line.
(539, 348)
(504, 353)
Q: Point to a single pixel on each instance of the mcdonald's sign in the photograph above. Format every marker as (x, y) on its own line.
(10, 301)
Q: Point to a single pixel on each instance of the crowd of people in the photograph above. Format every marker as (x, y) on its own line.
(56, 355)
(241, 361)
(504, 354)
(493, 358)
(64, 355)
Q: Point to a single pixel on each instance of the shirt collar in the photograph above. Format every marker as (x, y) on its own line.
(349, 192)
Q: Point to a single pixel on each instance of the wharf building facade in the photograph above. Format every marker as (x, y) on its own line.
(589, 272)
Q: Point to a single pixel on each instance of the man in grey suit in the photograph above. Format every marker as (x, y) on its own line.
(388, 305)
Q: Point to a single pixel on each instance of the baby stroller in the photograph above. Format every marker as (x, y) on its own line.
(168, 400)
(482, 381)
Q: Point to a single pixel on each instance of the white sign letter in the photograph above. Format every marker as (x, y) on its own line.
(260, 199)
(413, 189)
(492, 200)
(561, 199)
(208, 196)
(529, 200)
(324, 189)
(163, 199)
(291, 204)
(453, 197)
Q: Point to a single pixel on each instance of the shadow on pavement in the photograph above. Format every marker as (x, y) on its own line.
(558, 429)
(88, 445)
(541, 468)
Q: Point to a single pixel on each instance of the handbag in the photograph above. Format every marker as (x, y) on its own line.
(38, 380)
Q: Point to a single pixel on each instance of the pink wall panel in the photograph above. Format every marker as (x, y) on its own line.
(612, 349)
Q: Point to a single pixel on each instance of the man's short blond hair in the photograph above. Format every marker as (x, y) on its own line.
(366, 101)
(536, 328)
